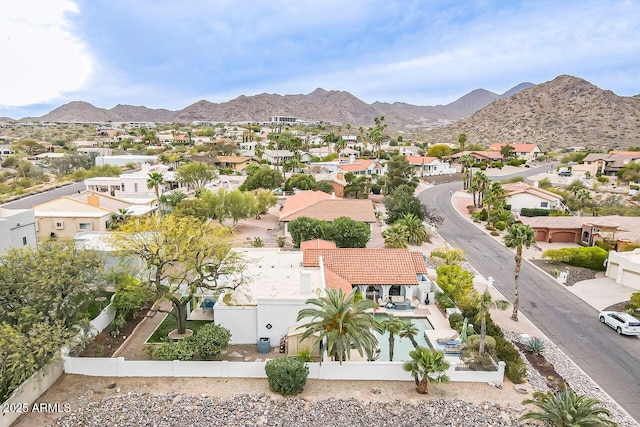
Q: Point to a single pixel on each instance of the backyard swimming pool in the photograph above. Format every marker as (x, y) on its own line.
(402, 346)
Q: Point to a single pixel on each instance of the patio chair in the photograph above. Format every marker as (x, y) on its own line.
(444, 341)
(455, 350)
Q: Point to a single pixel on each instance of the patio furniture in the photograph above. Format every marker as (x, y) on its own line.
(400, 305)
(444, 341)
(455, 350)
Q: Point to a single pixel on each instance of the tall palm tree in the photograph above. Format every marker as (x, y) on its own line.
(393, 326)
(426, 366)
(154, 181)
(482, 181)
(417, 233)
(462, 141)
(566, 409)
(410, 330)
(518, 235)
(467, 161)
(342, 322)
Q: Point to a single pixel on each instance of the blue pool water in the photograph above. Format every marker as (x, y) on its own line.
(402, 346)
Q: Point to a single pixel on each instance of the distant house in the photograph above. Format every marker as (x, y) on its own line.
(124, 160)
(408, 150)
(522, 195)
(337, 181)
(480, 156)
(17, 229)
(87, 211)
(277, 156)
(430, 166)
(605, 163)
(521, 151)
(322, 206)
(361, 167)
(236, 163)
(5, 150)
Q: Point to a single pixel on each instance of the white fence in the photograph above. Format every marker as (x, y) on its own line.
(389, 371)
(30, 390)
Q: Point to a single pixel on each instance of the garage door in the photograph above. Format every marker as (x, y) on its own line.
(541, 236)
(631, 279)
(563, 236)
(612, 271)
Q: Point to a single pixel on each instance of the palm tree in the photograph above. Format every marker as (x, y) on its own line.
(417, 234)
(566, 409)
(485, 303)
(410, 330)
(393, 326)
(396, 237)
(462, 141)
(518, 235)
(342, 322)
(482, 181)
(467, 161)
(173, 199)
(155, 180)
(426, 366)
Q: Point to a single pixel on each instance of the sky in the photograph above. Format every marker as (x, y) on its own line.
(172, 53)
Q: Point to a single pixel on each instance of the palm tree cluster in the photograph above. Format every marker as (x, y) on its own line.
(408, 230)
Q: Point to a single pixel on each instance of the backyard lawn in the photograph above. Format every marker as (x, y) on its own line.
(169, 324)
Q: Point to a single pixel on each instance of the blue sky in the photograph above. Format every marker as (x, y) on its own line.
(172, 53)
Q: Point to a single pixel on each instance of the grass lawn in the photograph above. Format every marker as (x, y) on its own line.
(169, 324)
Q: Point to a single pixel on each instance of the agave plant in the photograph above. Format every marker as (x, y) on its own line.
(536, 346)
(566, 409)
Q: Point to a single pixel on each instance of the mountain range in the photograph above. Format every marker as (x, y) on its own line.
(566, 111)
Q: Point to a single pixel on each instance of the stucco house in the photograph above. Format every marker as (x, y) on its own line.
(323, 206)
(430, 166)
(605, 163)
(621, 231)
(237, 163)
(522, 195)
(17, 229)
(624, 268)
(480, 156)
(521, 151)
(87, 211)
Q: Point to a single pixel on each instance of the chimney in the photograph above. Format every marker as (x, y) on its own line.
(93, 200)
(341, 176)
(305, 282)
(352, 158)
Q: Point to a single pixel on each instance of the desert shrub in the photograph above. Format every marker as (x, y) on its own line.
(484, 215)
(257, 242)
(516, 372)
(182, 350)
(603, 179)
(516, 162)
(304, 354)
(635, 300)
(444, 301)
(455, 321)
(286, 375)
(536, 346)
(490, 227)
(210, 340)
(495, 233)
(534, 212)
(588, 257)
(281, 241)
(500, 225)
(497, 164)
(473, 343)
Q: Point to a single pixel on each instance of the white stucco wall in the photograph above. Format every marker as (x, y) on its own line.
(524, 200)
(624, 268)
(241, 320)
(280, 313)
(16, 225)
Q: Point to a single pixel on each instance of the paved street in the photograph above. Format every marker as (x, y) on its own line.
(31, 201)
(611, 360)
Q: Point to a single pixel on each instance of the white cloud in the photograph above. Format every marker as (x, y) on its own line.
(43, 58)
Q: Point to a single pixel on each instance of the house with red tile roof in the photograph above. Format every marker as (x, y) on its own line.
(379, 274)
(480, 156)
(362, 167)
(522, 151)
(430, 166)
(323, 206)
(522, 195)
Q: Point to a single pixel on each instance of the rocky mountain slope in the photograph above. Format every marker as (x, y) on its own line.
(329, 106)
(567, 111)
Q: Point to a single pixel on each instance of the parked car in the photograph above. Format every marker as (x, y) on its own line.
(565, 173)
(622, 323)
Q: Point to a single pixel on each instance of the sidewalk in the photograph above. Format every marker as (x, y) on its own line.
(131, 349)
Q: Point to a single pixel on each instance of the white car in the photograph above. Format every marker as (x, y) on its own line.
(623, 323)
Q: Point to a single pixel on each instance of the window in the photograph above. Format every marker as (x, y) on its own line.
(544, 204)
(85, 226)
(24, 241)
(135, 187)
(59, 225)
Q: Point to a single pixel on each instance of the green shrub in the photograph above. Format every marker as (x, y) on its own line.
(473, 343)
(490, 227)
(495, 233)
(304, 354)
(257, 242)
(634, 187)
(497, 164)
(516, 162)
(455, 321)
(287, 375)
(534, 212)
(444, 301)
(500, 225)
(210, 340)
(516, 372)
(591, 257)
(484, 215)
(603, 179)
(281, 241)
(182, 350)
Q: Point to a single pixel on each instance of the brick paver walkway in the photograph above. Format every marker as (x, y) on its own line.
(131, 349)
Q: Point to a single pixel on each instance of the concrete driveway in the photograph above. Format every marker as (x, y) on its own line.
(601, 292)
